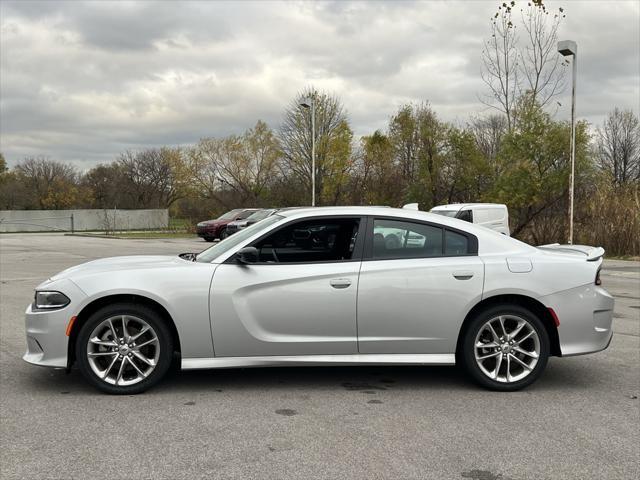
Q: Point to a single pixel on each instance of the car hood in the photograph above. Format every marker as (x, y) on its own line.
(133, 262)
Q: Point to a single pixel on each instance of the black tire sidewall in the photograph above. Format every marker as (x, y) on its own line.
(148, 315)
(468, 347)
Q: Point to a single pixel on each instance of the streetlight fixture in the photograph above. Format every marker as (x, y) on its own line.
(570, 48)
(309, 102)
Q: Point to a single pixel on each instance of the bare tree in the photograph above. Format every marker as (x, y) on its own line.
(295, 138)
(488, 133)
(243, 165)
(154, 177)
(248, 163)
(512, 68)
(500, 62)
(618, 146)
(204, 166)
(53, 184)
(105, 184)
(543, 70)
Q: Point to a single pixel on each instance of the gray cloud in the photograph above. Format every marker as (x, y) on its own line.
(82, 81)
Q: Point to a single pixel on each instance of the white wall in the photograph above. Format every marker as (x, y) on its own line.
(101, 220)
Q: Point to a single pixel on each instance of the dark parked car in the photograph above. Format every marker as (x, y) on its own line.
(237, 225)
(214, 229)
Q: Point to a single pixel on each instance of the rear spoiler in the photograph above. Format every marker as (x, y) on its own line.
(592, 253)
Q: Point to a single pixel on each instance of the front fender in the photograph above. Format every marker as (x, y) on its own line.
(182, 292)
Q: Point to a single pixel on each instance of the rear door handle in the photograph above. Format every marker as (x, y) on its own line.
(340, 282)
(463, 275)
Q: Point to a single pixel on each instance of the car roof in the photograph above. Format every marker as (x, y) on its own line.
(458, 206)
(376, 211)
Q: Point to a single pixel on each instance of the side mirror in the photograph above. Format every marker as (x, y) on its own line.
(247, 255)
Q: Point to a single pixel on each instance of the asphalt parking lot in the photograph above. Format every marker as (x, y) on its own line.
(581, 420)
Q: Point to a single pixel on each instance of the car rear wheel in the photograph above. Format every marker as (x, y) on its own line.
(223, 234)
(505, 348)
(124, 349)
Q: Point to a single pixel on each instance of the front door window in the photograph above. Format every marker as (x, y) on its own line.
(311, 241)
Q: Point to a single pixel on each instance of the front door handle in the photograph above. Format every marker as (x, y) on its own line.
(340, 282)
(463, 275)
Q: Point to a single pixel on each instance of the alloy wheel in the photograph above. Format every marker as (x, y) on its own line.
(123, 350)
(507, 348)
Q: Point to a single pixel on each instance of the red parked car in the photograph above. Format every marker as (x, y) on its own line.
(213, 229)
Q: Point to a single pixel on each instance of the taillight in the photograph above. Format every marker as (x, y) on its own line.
(598, 281)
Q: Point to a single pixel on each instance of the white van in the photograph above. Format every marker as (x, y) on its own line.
(491, 215)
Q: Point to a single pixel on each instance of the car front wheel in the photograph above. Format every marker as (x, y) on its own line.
(505, 348)
(124, 349)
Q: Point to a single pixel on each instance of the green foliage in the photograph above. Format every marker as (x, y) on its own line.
(379, 179)
(337, 164)
(534, 160)
(419, 158)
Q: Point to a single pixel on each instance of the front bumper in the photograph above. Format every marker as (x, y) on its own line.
(207, 231)
(47, 342)
(586, 316)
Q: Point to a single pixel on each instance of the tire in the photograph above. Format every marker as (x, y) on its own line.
(145, 364)
(529, 346)
(223, 234)
(208, 239)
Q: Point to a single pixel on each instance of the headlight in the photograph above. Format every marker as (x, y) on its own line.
(48, 300)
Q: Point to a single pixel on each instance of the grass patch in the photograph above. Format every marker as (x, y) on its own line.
(171, 234)
(183, 224)
(134, 234)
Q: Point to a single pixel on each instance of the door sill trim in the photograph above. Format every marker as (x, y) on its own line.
(309, 360)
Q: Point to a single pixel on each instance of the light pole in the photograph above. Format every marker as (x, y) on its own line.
(567, 48)
(309, 102)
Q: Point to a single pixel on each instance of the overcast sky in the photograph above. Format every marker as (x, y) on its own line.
(81, 82)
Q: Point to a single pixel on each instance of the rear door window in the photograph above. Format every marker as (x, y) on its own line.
(397, 239)
(401, 239)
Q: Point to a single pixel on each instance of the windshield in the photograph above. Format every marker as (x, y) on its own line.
(229, 215)
(446, 213)
(259, 215)
(246, 214)
(228, 243)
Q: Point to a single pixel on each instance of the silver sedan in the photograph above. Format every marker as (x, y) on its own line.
(327, 286)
